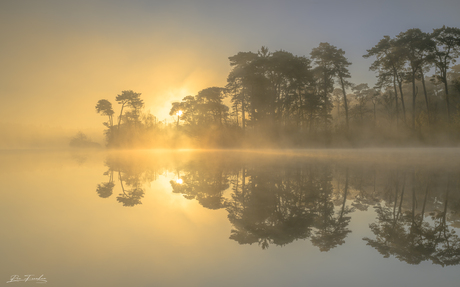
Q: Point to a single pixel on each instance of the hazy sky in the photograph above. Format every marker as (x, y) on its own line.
(58, 58)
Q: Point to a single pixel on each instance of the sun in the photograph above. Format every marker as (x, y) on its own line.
(161, 106)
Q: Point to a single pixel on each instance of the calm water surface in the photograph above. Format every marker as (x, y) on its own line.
(213, 218)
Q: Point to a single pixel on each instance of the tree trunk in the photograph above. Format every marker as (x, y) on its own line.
(396, 195)
(424, 202)
(121, 114)
(121, 182)
(300, 110)
(345, 193)
(396, 101)
(402, 198)
(237, 114)
(402, 100)
(375, 116)
(413, 197)
(414, 95)
(446, 90)
(243, 115)
(426, 97)
(345, 104)
(243, 186)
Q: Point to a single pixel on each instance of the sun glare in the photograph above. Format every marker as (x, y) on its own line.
(179, 181)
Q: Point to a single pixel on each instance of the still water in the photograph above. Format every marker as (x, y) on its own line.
(231, 218)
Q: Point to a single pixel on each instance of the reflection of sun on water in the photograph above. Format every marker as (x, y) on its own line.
(160, 192)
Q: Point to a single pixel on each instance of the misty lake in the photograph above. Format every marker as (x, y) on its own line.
(368, 217)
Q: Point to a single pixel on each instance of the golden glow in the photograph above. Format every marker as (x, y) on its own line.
(179, 181)
(173, 71)
(179, 113)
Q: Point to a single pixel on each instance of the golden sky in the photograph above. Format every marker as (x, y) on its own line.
(60, 57)
(57, 74)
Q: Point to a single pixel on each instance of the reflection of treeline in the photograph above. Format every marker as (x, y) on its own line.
(279, 99)
(269, 206)
(402, 228)
(278, 202)
(131, 173)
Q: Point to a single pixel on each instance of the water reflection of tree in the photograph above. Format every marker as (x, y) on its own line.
(134, 194)
(131, 177)
(203, 183)
(280, 202)
(364, 181)
(331, 226)
(270, 207)
(404, 233)
(105, 189)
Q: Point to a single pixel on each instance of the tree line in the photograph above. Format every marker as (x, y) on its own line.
(280, 99)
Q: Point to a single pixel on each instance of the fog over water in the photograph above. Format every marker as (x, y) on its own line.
(136, 217)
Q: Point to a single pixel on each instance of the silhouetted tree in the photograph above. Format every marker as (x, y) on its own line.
(240, 82)
(324, 58)
(132, 100)
(416, 48)
(211, 108)
(331, 58)
(104, 107)
(447, 49)
(389, 63)
(363, 95)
